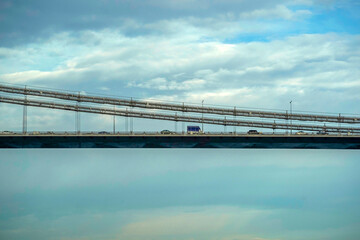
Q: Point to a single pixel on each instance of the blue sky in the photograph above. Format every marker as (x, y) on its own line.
(257, 54)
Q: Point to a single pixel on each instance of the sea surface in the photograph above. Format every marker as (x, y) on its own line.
(225, 194)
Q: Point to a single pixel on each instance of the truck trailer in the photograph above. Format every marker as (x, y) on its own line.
(193, 130)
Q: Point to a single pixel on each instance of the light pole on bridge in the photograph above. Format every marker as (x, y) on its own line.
(25, 114)
(114, 121)
(291, 116)
(126, 121)
(202, 115)
(77, 115)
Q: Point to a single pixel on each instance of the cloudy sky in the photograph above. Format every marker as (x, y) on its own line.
(254, 54)
(257, 54)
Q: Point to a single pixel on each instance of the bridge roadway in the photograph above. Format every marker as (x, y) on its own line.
(154, 140)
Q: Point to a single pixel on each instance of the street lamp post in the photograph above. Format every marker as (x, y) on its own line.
(126, 121)
(114, 121)
(25, 114)
(291, 116)
(202, 115)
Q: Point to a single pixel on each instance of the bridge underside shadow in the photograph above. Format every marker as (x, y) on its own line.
(111, 141)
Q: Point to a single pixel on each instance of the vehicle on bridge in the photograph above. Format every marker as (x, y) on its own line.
(301, 133)
(322, 132)
(253, 132)
(166, 132)
(194, 130)
(6, 132)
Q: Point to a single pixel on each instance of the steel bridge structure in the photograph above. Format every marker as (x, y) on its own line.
(101, 105)
(340, 131)
(83, 102)
(79, 97)
(177, 118)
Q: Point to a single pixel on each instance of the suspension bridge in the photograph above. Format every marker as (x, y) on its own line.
(311, 130)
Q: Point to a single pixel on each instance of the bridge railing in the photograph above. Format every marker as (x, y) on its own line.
(168, 106)
(158, 133)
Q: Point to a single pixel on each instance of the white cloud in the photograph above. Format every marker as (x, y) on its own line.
(163, 84)
(278, 12)
(178, 68)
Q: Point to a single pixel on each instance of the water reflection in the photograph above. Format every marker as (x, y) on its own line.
(179, 194)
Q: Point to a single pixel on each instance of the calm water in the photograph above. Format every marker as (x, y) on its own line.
(179, 194)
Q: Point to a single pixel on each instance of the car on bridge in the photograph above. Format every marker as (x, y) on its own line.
(301, 133)
(166, 132)
(322, 132)
(253, 132)
(6, 132)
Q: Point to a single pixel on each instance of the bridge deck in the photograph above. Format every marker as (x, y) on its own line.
(179, 141)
